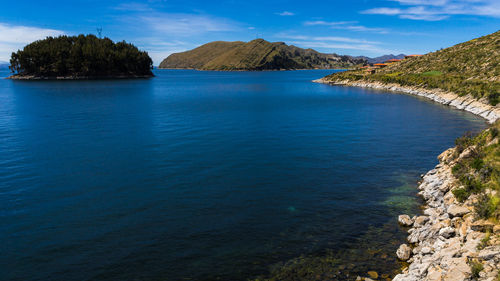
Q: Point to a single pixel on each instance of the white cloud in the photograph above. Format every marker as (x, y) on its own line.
(326, 38)
(430, 10)
(157, 30)
(422, 2)
(366, 48)
(328, 23)
(14, 37)
(134, 7)
(24, 34)
(186, 24)
(347, 25)
(334, 43)
(286, 13)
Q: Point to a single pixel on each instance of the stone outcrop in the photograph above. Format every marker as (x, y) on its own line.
(444, 241)
(467, 103)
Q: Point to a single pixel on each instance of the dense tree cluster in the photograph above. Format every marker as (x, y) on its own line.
(80, 56)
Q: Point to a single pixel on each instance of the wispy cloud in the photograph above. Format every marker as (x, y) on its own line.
(286, 13)
(133, 7)
(366, 48)
(348, 25)
(334, 43)
(187, 24)
(14, 37)
(24, 34)
(326, 38)
(158, 29)
(430, 10)
(328, 23)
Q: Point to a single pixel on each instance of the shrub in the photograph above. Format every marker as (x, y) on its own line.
(459, 169)
(484, 241)
(475, 268)
(461, 194)
(477, 163)
(484, 207)
(463, 142)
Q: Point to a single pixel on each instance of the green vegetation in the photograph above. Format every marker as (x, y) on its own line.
(478, 171)
(80, 56)
(475, 268)
(432, 73)
(255, 55)
(484, 241)
(471, 68)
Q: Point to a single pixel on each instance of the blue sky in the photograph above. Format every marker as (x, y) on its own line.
(354, 27)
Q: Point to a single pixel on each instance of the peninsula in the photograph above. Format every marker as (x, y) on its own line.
(458, 235)
(79, 57)
(258, 54)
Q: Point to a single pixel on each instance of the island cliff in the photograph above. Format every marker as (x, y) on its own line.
(458, 235)
(258, 54)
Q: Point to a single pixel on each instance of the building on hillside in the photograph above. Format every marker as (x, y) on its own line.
(379, 65)
(392, 61)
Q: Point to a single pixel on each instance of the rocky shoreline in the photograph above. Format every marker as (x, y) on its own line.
(446, 242)
(467, 103)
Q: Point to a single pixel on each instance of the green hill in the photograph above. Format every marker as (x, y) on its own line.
(79, 57)
(472, 68)
(255, 55)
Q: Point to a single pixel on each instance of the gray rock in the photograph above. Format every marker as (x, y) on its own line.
(426, 250)
(457, 211)
(490, 253)
(405, 220)
(421, 220)
(447, 232)
(403, 252)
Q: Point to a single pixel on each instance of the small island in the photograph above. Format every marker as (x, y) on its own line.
(79, 57)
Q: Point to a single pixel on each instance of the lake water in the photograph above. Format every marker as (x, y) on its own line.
(210, 175)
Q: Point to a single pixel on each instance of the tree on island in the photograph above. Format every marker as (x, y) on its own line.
(80, 56)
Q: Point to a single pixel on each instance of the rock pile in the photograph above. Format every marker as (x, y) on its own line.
(446, 241)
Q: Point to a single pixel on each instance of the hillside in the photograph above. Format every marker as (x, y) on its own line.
(255, 55)
(471, 68)
(79, 57)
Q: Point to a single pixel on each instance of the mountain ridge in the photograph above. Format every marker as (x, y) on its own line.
(257, 54)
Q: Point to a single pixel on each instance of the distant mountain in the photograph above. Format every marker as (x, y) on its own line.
(4, 65)
(381, 58)
(258, 54)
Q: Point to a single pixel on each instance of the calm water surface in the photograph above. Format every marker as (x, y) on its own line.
(210, 175)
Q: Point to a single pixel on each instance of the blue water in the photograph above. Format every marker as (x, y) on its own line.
(206, 175)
